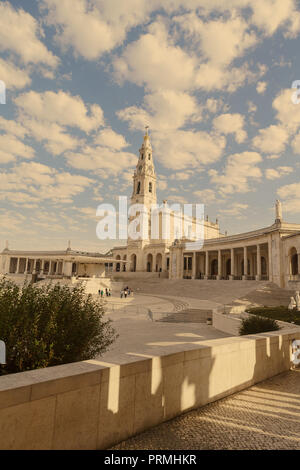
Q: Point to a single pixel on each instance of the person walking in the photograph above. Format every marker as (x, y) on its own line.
(121, 294)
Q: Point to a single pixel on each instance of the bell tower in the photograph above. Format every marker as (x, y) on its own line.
(144, 178)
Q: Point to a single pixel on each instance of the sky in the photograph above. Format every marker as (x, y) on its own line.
(212, 79)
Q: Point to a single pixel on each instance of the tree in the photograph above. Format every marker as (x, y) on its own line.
(50, 325)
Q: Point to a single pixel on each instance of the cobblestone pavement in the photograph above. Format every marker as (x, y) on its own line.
(265, 416)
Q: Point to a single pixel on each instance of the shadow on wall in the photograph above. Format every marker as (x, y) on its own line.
(180, 382)
(94, 405)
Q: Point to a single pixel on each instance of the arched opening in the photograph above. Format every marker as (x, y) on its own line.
(74, 268)
(214, 267)
(294, 269)
(150, 187)
(149, 263)
(133, 263)
(138, 188)
(158, 263)
(124, 264)
(228, 267)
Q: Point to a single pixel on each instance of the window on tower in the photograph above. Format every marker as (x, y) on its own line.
(150, 187)
(138, 188)
(149, 156)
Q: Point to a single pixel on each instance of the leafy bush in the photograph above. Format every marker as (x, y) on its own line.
(281, 313)
(255, 324)
(51, 325)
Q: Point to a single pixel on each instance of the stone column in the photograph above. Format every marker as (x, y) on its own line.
(231, 277)
(245, 274)
(42, 266)
(194, 266)
(34, 267)
(270, 273)
(67, 268)
(206, 265)
(57, 265)
(18, 266)
(180, 263)
(219, 265)
(258, 261)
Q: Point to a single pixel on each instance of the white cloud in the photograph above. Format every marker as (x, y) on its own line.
(231, 124)
(271, 139)
(289, 194)
(221, 40)
(109, 138)
(295, 144)
(105, 23)
(20, 33)
(261, 87)
(13, 76)
(163, 110)
(269, 15)
(11, 148)
(279, 172)
(61, 108)
(155, 62)
(287, 113)
(101, 160)
(183, 150)
(236, 209)
(205, 196)
(240, 169)
(48, 117)
(38, 182)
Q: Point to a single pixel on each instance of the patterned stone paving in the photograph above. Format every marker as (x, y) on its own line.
(265, 416)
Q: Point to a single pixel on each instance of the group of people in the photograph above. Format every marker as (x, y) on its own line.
(107, 292)
(125, 292)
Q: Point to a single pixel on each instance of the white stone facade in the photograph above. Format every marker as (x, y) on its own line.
(152, 254)
(270, 253)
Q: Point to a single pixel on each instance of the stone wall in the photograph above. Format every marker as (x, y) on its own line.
(93, 405)
(231, 323)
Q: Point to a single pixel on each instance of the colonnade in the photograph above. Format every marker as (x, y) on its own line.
(247, 262)
(21, 265)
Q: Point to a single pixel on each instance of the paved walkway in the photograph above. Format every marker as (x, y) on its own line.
(265, 416)
(166, 330)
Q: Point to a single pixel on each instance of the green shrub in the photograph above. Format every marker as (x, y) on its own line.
(51, 325)
(255, 324)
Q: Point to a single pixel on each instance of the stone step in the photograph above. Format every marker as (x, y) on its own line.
(191, 315)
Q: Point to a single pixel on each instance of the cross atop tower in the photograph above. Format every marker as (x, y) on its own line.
(147, 130)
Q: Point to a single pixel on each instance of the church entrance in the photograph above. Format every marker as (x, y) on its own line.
(214, 267)
(149, 263)
(133, 263)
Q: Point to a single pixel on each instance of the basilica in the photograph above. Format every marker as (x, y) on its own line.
(269, 253)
